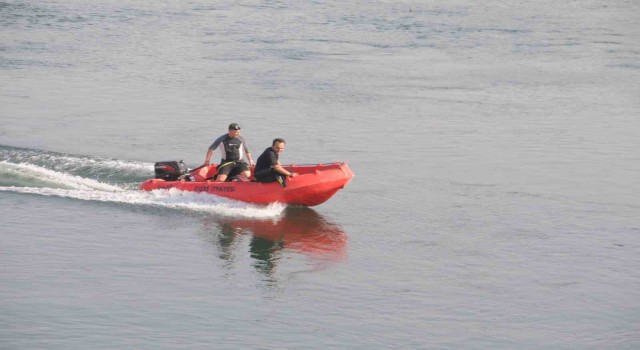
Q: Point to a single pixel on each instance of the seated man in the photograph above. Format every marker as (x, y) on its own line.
(268, 168)
(232, 146)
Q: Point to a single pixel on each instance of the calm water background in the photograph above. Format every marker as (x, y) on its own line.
(496, 201)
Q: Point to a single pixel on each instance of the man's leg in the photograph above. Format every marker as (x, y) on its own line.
(224, 170)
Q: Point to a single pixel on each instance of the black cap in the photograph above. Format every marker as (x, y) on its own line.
(234, 126)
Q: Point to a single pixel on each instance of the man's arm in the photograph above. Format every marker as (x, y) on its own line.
(207, 158)
(249, 158)
(213, 146)
(247, 152)
(283, 171)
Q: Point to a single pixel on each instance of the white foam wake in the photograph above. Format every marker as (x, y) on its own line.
(173, 198)
(26, 170)
(59, 160)
(106, 163)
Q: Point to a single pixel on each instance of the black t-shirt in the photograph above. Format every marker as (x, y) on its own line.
(267, 159)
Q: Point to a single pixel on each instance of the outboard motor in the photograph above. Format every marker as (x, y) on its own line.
(170, 171)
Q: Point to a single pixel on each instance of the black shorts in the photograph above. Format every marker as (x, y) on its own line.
(232, 168)
(271, 176)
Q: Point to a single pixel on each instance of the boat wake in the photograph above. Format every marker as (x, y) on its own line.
(24, 173)
(107, 180)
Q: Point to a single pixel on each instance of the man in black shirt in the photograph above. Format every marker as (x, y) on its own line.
(268, 168)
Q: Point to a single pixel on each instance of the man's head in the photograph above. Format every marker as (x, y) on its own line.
(234, 130)
(278, 145)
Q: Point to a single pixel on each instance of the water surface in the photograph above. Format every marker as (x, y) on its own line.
(495, 203)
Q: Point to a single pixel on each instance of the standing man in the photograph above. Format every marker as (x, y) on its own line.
(232, 146)
(268, 168)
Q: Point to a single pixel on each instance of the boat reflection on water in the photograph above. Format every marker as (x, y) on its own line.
(300, 230)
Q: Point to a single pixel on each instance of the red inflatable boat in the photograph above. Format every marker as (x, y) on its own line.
(315, 184)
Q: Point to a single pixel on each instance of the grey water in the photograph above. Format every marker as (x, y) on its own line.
(496, 201)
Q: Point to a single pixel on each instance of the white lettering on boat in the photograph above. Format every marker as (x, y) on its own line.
(214, 188)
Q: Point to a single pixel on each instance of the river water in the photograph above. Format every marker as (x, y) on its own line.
(496, 200)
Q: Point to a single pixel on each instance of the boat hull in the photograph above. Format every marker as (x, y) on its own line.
(314, 186)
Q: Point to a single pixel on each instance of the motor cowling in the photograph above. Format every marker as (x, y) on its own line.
(170, 171)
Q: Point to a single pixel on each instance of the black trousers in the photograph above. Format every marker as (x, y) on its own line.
(271, 175)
